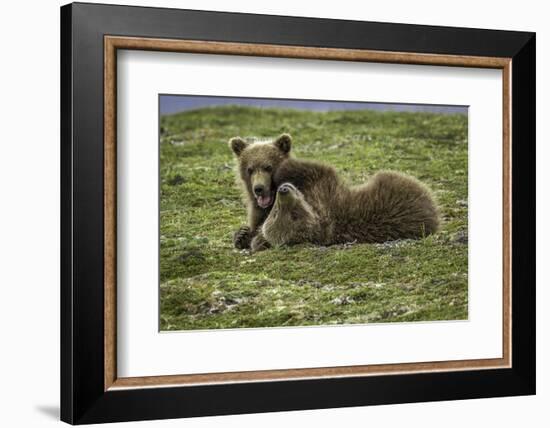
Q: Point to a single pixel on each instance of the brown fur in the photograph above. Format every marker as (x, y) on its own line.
(314, 205)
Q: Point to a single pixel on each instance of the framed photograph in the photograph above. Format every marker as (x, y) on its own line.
(266, 213)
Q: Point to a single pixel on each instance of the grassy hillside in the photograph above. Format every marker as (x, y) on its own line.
(206, 283)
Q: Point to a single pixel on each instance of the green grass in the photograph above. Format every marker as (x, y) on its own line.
(206, 283)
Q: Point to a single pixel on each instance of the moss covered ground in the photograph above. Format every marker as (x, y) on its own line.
(205, 283)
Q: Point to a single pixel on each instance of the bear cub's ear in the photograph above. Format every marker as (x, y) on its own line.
(237, 144)
(283, 143)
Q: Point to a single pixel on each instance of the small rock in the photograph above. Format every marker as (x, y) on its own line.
(460, 237)
(191, 254)
(342, 301)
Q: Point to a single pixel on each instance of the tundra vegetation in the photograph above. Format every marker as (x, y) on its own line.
(206, 283)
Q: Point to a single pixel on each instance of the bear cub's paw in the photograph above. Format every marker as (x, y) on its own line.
(242, 238)
(259, 243)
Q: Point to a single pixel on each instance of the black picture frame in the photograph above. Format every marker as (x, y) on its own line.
(83, 398)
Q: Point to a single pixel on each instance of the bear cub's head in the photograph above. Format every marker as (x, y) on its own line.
(257, 162)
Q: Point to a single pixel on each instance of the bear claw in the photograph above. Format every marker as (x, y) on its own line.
(242, 238)
(259, 243)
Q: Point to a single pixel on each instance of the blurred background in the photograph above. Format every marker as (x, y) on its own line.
(170, 104)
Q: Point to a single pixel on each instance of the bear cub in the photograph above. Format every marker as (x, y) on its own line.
(292, 201)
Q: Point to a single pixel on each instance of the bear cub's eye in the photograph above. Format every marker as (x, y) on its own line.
(250, 170)
(268, 168)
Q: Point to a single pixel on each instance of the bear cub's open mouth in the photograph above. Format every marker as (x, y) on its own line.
(264, 201)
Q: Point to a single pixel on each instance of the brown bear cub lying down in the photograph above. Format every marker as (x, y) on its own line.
(292, 201)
